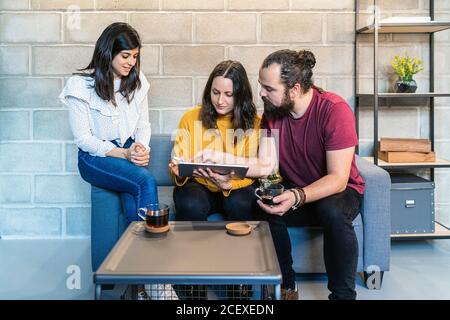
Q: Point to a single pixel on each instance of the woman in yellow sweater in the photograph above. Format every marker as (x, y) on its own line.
(225, 124)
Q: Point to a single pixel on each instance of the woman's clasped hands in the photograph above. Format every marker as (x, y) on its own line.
(138, 154)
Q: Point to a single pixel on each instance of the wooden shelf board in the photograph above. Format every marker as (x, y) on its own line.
(440, 232)
(384, 164)
(421, 27)
(405, 95)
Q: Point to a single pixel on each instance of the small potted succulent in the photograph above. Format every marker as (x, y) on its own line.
(405, 67)
(273, 178)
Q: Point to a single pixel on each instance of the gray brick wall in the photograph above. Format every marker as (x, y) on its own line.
(42, 42)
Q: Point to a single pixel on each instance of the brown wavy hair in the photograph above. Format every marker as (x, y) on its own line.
(244, 111)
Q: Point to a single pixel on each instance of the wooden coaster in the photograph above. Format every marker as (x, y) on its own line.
(156, 230)
(238, 228)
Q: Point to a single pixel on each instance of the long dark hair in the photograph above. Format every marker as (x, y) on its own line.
(115, 38)
(295, 67)
(244, 111)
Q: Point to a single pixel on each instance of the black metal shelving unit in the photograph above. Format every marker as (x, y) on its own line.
(375, 29)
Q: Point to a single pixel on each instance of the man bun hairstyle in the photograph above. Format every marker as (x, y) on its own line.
(295, 67)
(307, 58)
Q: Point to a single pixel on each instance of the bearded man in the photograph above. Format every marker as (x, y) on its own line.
(317, 139)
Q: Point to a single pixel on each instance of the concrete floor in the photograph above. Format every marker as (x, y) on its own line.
(43, 269)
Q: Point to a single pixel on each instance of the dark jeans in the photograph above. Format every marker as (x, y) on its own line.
(136, 185)
(194, 202)
(335, 215)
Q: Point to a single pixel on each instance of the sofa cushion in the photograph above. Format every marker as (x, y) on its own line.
(160, 157)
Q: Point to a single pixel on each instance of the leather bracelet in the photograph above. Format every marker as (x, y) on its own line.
(302, 199)
(296, 195)
(302, 196)
(297, 198)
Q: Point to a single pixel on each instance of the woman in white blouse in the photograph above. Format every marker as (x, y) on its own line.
(108, 113)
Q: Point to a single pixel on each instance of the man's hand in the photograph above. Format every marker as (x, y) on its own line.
(284, 202)
(222, 181)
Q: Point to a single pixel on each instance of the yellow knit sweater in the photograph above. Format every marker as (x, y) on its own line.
(192, 137)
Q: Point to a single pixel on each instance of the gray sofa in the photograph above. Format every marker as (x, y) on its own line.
(372, 226)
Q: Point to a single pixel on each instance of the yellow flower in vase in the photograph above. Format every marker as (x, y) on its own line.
(405, 67)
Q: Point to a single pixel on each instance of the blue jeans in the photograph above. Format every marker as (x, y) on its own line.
(136, 185)
(194, 202)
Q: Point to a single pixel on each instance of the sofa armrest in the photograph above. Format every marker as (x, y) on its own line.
(376, 215)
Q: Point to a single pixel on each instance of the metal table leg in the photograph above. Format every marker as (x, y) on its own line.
(278, 292)
(98, 292)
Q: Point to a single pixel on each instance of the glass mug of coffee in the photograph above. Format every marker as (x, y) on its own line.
(156, 217)
(267, 193)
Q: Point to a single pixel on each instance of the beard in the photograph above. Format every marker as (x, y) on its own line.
(273, 112)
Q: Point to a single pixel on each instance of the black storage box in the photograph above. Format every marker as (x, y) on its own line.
(412, 204)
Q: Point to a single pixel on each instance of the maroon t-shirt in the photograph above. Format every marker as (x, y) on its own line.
(328, 124)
